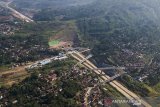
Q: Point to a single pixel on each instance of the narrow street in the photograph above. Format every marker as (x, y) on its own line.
(88, 92)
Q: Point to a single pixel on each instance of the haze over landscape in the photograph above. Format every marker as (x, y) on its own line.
(74, 53)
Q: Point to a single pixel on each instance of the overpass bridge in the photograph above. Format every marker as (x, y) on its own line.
(123, 90)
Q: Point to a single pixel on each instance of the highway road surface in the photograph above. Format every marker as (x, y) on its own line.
(15, 13)
(123, 90)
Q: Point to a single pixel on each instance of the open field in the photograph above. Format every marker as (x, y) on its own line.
(4, 68)
(13, 80)
(13, 76)
(64, 37)
(54, 42)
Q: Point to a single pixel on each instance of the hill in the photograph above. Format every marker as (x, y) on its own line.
(41, 4)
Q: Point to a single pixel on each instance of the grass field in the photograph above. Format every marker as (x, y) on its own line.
(18, 75)
(4, 68)
(1, 84)
(54, 42)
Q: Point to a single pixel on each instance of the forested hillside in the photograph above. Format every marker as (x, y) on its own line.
(41, 4)
(112, 28)
(124, 33)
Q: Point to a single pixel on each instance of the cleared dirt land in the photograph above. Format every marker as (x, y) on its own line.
(64, 37)
(10, 77)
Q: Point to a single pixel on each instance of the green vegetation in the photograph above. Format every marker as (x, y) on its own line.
(41, 4)
(119, 32)
(54, 42)
(30, 43)
(140, 88)
(4, 67)
(30, 48)
(45, 29)
(157, 87)
(1, 84)
(51, 96)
